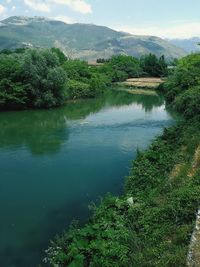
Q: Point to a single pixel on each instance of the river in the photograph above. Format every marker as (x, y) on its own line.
(54, 163)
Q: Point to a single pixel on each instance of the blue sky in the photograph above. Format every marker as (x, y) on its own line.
(165, 18)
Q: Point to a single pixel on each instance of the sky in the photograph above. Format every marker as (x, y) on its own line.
(164, 18)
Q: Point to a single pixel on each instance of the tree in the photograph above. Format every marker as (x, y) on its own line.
(77, 70)
(31, 79)
(61, 56)
(127, 64)
(152, 66)
(185, 77)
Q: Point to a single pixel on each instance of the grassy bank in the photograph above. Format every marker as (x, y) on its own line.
(150, 225)
(152, 222)
(140, 86)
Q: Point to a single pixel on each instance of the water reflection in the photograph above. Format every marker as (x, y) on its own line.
(44, 131)
(147, 102)
(40, 131)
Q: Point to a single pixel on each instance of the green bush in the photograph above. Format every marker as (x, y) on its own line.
(185, 77)
(33, 79)
(77, 70)
(188, 102)
(77, 89)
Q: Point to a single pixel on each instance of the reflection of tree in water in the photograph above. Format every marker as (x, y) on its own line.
(44, 131)
(41, 131)
(148, 102)
(82, 108)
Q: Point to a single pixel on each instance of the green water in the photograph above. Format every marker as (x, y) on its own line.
(53, 163)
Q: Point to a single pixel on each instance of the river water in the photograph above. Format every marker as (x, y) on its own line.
(54, 163)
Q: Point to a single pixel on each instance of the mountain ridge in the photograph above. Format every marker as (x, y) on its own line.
(84, 41)
(188, 44)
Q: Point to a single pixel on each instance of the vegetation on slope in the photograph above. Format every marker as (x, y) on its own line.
(151, 224)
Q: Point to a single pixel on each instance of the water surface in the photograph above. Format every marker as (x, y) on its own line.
(53, 163)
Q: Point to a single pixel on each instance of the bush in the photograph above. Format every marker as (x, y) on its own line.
(77, 89)
(77, 70)
(32, 79)
(188, 102)
(185, 77)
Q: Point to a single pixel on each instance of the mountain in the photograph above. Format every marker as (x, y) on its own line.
(85, 41)
(189, 45)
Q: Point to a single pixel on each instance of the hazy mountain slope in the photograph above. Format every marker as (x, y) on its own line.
(189, 45)
(84, 41)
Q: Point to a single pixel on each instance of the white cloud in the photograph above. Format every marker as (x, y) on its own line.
(8, 1)
(76, 5)
(185, 30)
(2, 9)
(64, 19)
(37, 5)
(13, 8)
(80, 6)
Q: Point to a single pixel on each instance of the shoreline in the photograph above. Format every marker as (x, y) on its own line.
(168, 151)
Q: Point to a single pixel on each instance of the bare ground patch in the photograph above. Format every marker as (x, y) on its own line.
(143, 82)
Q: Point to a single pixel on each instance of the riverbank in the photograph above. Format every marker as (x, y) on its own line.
(100, 136)
(140, 86)
(152, 222)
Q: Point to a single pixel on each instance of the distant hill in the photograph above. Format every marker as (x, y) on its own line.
(85, 41)
(189, 45)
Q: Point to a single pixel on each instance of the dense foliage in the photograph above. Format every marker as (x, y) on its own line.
(185, 77)
(123, 67)
(151, 224)
(153, 66)
(39, 78)
(45, 78)
(31, 79)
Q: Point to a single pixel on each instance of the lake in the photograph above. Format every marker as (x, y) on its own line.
(54, 163)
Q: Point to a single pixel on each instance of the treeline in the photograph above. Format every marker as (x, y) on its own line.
(152, 222)
(44, 78)
(122, 67)
(32, 78)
